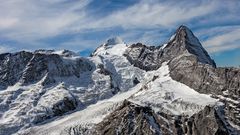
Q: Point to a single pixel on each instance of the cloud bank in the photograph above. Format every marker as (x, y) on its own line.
(84, 24)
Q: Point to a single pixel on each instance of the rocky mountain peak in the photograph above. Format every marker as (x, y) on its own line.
(183, 33)
(183, 42)
(183, 47)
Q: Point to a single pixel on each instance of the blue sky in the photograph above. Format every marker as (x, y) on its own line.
(82, 25)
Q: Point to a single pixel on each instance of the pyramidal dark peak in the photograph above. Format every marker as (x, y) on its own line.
(183, 32)
(182, 46)
(184, 40)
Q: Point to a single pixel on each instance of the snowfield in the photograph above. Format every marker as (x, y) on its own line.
(164, 94)
(74, 103)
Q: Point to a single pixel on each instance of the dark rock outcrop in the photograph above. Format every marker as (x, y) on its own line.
(12, 67)
(206, 122)
(144, 57)
(222, 83)
(131, 118)
(186, 43)
(27, 67)
(64, 106)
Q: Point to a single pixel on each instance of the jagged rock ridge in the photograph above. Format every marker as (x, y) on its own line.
(131, 118)
(182, 44)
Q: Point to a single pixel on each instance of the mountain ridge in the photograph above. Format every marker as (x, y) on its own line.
(172, 80)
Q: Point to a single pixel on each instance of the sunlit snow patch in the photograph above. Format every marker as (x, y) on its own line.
(169, 96)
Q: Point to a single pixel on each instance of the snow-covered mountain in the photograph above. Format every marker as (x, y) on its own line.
(174, 88)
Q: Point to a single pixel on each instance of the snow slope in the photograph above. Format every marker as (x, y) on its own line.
(117, 49)
(93, 114)
(169, 96)
(23, 106)
(164, 94)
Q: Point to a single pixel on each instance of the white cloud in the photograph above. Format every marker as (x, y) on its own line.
(28, 21)
(150, 37)
(151, 14)
(226, 47)
(76, 43)
(5, 49)
(33, 20)
(225, 41)
(7, 22)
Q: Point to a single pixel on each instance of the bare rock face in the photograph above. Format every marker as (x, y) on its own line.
(184, 42)
(52, 65)
(206, 122)
(131, 118)
(12, 66)
(222, 83)
(144, 57)
(27, 67)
